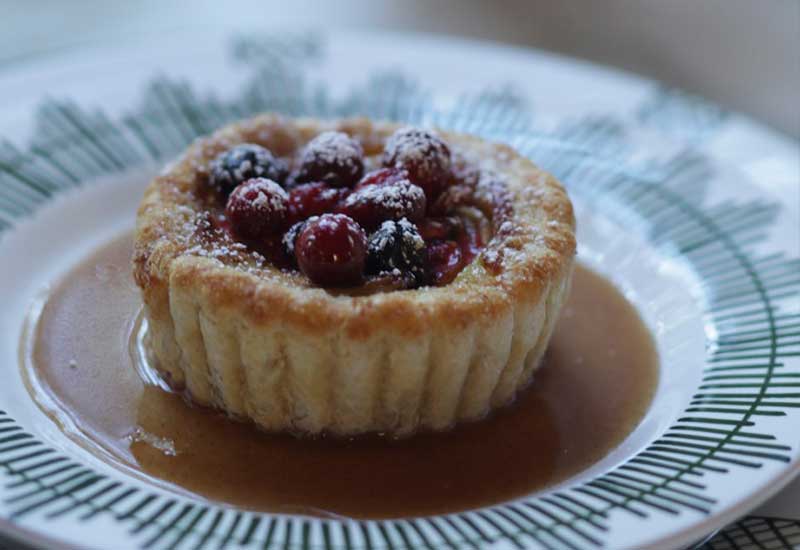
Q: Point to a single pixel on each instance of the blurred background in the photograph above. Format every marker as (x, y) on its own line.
(744, 54)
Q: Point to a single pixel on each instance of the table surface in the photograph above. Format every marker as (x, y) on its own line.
(740, 53)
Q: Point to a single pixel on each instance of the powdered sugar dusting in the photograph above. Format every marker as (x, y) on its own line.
(332, 157)
(408, 228)
(197, 236)
(419, 151)
(335, 148)
(243, 162)
(466, 182)
(397, 197)
(395, 249)
(264, 195)
(163, 444)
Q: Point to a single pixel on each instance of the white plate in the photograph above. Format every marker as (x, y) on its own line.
(672, 204)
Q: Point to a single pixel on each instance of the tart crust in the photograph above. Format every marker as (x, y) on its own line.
(238, 334)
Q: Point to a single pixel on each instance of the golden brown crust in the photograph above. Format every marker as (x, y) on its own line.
(537, 249)
(531, 257)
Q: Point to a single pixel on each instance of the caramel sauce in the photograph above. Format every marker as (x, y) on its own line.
(596, 384)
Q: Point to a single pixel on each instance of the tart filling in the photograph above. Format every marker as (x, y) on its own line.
(416, 218)
(351, 276)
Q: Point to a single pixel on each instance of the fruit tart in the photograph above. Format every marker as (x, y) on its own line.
(351, 276)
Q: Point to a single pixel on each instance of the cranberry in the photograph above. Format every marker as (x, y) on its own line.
(397, 249)
(440, 228)
(313, 199)
(470, 240)
(374, 204)
(423, 154)
(332, 157)
(445, 261)
(243, 162)
(331, 250)
(451, 198)
(382, 176)
(257, 208)
(272, 249)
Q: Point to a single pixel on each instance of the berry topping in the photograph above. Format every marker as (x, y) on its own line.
(382, 176)
(423, 154)
(314, 199)
(257, 208)
(243, 162)
(331, 250)
(332, 157)
(445, 261)
(290, 238)
(430, 212)
(440, 228)
(374, 204)
(397, 249)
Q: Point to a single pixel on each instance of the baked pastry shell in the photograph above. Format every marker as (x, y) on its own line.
(266, 345)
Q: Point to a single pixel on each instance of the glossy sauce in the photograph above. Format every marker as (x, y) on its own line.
(597, 382)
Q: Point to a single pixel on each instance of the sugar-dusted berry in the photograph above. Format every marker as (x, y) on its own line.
(331, 250)
(243, 162)
(423, 154)
(397, 249)
(374, 204)
(445, 261)
(332, 157)
(257, 209)
(382, 176)
(314, 199)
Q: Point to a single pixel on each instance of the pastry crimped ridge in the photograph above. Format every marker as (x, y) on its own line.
(262, 343)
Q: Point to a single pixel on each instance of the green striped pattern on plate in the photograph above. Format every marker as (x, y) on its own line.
(757, 533)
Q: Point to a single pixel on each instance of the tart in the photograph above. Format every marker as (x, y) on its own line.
(351, 276)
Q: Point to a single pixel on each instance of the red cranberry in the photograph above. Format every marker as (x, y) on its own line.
(470, 240)
(313, 199)
(272, 249)
(451, 198)
(374, 204)
(423, 154)
(382, 176)
(257, 208)
(442, 229)
(445, 261)
(332, 157)
(331, 250)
